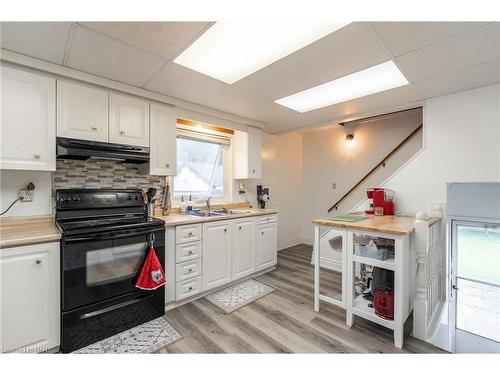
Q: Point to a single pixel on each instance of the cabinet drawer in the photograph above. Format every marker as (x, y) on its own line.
(267, 219)
(188, 233)
(187, 251)
(187, 270)
(187, 288)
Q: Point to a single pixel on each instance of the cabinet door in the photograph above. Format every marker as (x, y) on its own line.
(30, 297)
(28, 123)
(128, 120)
(216, 254)
(163, 141)
(254, 152)
(82, 112)
(243, 248)
(266, 246)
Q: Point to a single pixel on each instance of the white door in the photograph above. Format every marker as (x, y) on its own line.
(30, 294)
(243, 248)
(128, 120)
(475, 310)
(254, 152)
(82, 112)
(163, 141)
(267, 249)
(28, 131)
(216, 254)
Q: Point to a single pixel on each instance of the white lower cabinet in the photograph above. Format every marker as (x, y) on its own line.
(217, 251)
(243, 248)
(266, 246)
(30, 298)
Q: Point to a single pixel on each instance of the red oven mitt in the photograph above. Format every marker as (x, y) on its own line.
(152, 275)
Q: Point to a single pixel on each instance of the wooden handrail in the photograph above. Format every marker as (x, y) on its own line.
(378, 165)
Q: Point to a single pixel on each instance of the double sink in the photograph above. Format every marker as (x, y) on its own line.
(220, 212)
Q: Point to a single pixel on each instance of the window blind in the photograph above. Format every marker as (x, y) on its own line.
(207, 136)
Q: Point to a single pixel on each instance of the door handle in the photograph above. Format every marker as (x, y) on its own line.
(454, 287)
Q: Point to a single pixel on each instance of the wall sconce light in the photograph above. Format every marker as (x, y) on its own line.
(349, 139)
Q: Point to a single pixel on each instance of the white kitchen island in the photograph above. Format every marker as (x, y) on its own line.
(393, 230)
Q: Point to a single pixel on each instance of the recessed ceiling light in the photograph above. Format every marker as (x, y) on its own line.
(375, 79)
(229, 51)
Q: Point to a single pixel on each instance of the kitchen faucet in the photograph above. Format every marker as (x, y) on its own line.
(207, 204)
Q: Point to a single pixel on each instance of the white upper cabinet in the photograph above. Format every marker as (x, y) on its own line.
(247, 153)
(82, 112)
(163, 140)
(28, 121)
(128, 120)
(243, 248)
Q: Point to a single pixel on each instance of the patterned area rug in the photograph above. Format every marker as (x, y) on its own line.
(145, 338)
(236, 296)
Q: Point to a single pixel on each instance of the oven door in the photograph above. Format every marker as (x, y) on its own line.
(102, 266)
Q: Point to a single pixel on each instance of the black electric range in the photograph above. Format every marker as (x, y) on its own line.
(105, 237)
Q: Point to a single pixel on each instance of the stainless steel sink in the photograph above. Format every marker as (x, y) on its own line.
(205, 213)
(225, 211)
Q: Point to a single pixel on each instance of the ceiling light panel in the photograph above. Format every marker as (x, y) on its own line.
(369, 81)
(229, 51)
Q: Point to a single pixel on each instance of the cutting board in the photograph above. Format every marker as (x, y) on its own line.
(350, 218)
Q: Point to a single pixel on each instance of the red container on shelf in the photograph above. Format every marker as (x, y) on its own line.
(383, 303)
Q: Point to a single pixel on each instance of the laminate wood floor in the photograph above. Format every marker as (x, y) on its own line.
(283, 321)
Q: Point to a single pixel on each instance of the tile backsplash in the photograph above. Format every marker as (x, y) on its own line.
(103, 173)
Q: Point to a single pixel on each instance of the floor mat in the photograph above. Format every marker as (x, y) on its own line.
(145, 338)
(234, 297)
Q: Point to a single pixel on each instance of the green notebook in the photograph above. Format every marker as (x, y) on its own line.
(351, 218)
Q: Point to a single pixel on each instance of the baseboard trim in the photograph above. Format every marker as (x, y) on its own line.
(289, 243)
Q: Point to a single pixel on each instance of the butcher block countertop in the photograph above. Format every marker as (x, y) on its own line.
(180, 219)
(392, 224)
(29, 230)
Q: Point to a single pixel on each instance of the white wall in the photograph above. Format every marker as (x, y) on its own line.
(12, 181)
(462, 144)
(282, 173)
(328, 160)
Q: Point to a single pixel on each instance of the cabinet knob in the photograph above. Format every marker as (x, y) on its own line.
(122, 132)
(38, 261)
(37, 156)
(253, 170)
(239, 227)
(94, 127)
(190, 270)
(261, 232)
(190, 252)
(225, 230)
(190, 288)
(190, 234)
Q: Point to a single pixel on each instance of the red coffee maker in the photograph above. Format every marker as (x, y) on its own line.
(381, 197)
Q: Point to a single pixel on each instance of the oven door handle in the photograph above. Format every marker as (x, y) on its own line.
(111, 237)
(114, 307)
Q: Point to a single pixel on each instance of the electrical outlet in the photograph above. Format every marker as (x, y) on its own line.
(26, 195)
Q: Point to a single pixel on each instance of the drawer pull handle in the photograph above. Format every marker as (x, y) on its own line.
(38, 261)
(190, 288)
(190, 234)
(190, 270)
(190, 252)
(94, 127)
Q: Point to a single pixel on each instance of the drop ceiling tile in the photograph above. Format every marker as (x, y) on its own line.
(404, 37)
(470, 49)
(386, 99)
(43, 40)
(461, 80)
(240, 102)
(165, 39)
(183, 83)
(344, 51)
(98, 54)
(291, 122)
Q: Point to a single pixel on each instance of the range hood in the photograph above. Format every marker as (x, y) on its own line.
(68, 148)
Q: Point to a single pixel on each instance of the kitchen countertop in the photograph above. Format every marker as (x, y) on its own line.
(29, 230)
(391, 224)
(180, 219)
